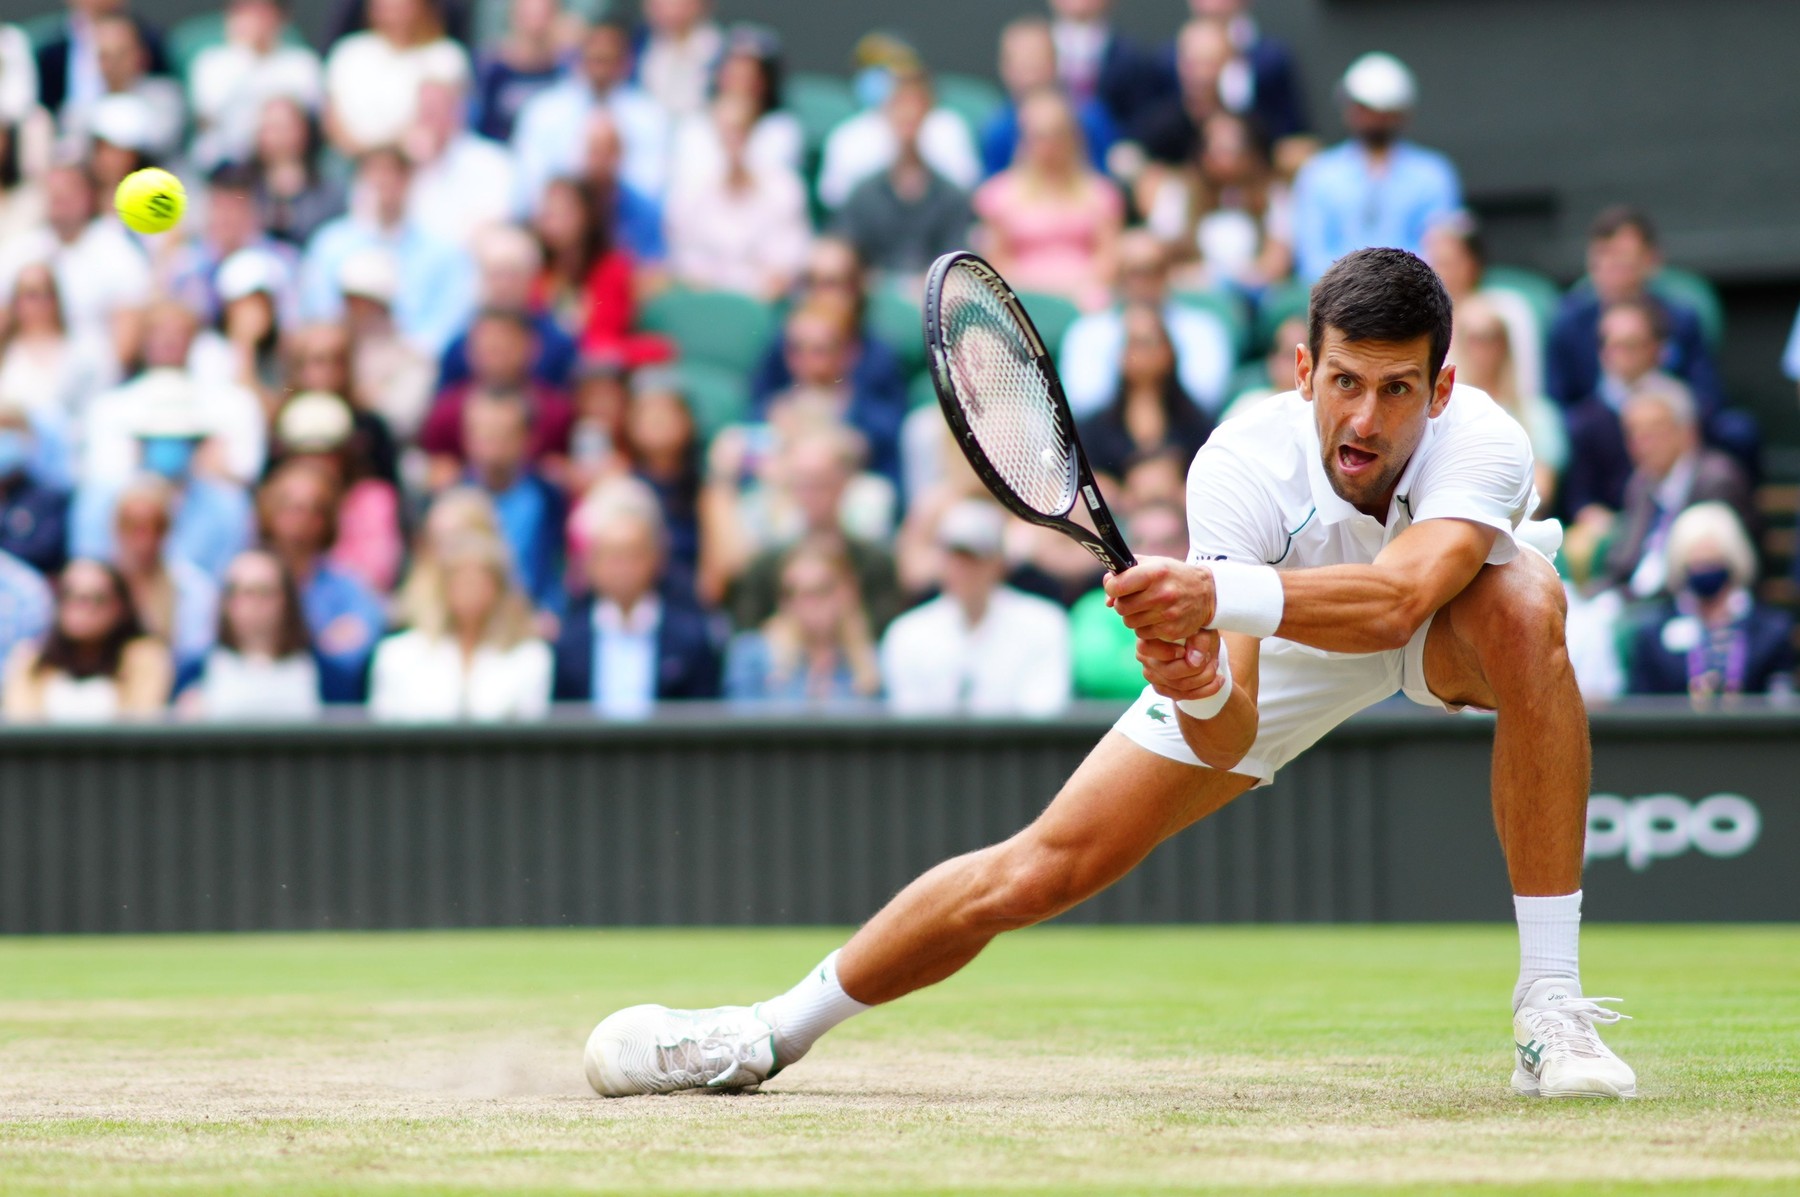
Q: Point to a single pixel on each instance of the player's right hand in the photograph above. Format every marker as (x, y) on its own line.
(1161, 598)
(1182, 671)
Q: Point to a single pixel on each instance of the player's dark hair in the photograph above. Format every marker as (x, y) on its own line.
(1616, 219)
(1381, 295)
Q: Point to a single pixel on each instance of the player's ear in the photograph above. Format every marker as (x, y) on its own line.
(1440, 393)
(1303, 370)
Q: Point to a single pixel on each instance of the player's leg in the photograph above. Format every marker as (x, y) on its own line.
(1500, 645)
(1121, 803)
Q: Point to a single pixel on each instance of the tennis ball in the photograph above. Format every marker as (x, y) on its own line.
(150, 200)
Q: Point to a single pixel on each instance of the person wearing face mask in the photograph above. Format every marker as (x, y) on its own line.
(1712, 639)
(33, 515)
(212, 516)
(1376, 188)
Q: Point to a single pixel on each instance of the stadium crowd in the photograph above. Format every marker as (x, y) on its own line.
(509, 356)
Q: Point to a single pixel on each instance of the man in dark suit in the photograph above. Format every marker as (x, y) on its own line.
(1633, 335)
(33, 515)
(1274, 83)
(68, 64)
(634, 643)
(1671, 471)
(1095, 60)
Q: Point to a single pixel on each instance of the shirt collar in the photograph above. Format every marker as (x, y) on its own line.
(609, 619)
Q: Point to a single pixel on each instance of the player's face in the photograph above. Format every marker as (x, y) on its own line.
(1371, 401)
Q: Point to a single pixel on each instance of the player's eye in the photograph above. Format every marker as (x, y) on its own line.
(1398, 388)
(1345, 382)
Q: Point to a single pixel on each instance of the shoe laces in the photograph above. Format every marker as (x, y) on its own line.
(1569, 1026)
(707, 1054)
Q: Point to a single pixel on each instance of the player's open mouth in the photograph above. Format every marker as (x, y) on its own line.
(1353, 460)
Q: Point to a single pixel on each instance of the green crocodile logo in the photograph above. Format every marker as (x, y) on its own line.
(1157, 713)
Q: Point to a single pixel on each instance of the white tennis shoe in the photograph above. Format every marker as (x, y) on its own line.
(1560, 1053)
(653, 1049)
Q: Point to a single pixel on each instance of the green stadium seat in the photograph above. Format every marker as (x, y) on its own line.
(1231, 309)
(1052, 314)
(820, 102)
(921, 392)
(898, 321)
(717, 396)
(43, 29)
(716, 327)
(1692, 291)
(1538, 290)
(971, 97)
(1279, 302)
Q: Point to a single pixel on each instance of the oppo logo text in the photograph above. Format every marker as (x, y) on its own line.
(1659, 826)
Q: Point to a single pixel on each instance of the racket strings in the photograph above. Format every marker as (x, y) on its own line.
(1004, 396)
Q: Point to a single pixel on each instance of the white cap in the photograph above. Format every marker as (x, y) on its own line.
(370, 274)
(1380, 82)
(249, 271)
(123, 120)
(314, 422)
(165, 404)
(973, 526)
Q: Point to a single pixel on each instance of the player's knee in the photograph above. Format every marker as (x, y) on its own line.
(1523, 616)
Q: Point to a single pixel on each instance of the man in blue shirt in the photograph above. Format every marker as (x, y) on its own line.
(1376, 188)
(496, 437)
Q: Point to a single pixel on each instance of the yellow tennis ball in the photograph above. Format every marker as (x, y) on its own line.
(150, 200)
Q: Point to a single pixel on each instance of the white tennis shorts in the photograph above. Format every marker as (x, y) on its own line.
(1302, 693)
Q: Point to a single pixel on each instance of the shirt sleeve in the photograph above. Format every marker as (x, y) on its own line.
(1480, 472)
(1232, 516)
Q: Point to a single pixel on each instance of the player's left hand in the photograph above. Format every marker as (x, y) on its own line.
(1161, 598)
(1182, 671)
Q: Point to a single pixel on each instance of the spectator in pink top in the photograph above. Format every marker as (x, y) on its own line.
(1051, 222)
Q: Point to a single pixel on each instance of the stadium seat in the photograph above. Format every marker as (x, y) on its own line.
(898, 321)
(1231, 309)
(1538, 290)
(716, 327)
(1052, 314)
(1278, 303)
(971, 97)
(718, 396)
(921, 391)
(820, 102)
(44, 29)
(1694, 292)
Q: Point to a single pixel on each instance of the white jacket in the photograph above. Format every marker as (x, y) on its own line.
(422, 680)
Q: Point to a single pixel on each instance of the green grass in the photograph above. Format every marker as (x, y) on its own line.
(1254, 1060)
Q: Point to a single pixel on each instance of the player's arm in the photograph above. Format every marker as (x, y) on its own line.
(1189, 672)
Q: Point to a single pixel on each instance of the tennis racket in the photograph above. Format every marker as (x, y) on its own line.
(1005, 405)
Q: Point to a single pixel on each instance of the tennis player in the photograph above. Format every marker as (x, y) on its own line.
(1364, 534)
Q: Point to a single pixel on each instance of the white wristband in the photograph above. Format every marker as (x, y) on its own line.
(1206, 708)
(1247, 599)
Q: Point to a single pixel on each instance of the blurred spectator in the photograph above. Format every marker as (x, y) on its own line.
(472, 655)
(1632, 340)
(835, 273)
(980, 647)
(298, 509)
(68, 63)
(743, 228)
(1170, 131)
(816, 648)
(628, 647)
(26, 132)
(633, 218)
(18, 76)
(1377, 188)
(101, 273)
(1485, 361)
(335, 360)
(1671, 471)
(34, 514)
(436, 278)
(1153, 478)
(1622, 258)
(598, 449)
(817, 472)
(821, 348)
(663, 446)
(1272, 79)
(135, 109)
(749, 72)
(262, 667)
(161, 424)
(25, 604)
(294, 195)
(587, 285)
(496, 435)
(1456, 250)
(190, 262)
(1149, 411)
(229, 83)
(95, 663)
(1227, 220)
(1274, 375)
(119, 141)
(319, 427)
(510, 263)
(1050, 222)
(681, 43)
(453, 513)
(462, 183)
(1027, 65)
(867, 143)
(368, 361)
(251, 284)
(51, 370)
(196, 366)
(502, 343)
(1104, 649)
(1093, 349)
(902, 218)
(176, 601)
(524, 63)
(1712, 639)
(1094, 60)
(372, 78)
(547, 141)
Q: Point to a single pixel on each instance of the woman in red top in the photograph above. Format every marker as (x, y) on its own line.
(588, 282)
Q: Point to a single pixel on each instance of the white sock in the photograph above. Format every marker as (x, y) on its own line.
(1549, 940)
(808, 1010)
